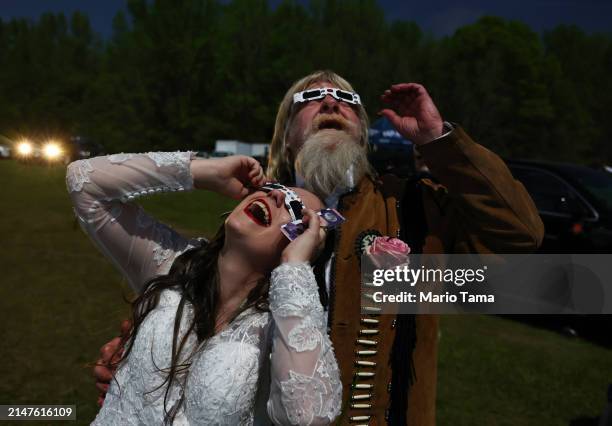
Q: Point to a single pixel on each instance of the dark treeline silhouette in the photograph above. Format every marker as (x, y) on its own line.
(180, 74)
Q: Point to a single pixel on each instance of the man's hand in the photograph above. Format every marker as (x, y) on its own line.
(412, 112)
(234, 176)
(105, 367)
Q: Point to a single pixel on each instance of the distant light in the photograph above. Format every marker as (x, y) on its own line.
(52, 150)
(25, 148)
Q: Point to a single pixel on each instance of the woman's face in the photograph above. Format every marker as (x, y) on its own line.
(254, 225)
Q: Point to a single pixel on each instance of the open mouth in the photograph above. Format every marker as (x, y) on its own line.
(331, 123)
(259, 212)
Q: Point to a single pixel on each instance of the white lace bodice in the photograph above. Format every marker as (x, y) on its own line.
(265, 367)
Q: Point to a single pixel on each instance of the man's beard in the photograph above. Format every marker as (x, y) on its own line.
(326, 157)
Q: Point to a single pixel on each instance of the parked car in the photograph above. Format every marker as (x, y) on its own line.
(574, 202)
(5, 152)
(79, 147)
(55, 151)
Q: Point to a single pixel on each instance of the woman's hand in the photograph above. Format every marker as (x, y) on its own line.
(306, 246)
(234, 176)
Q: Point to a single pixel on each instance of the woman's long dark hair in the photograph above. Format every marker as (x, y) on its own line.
(195, 275)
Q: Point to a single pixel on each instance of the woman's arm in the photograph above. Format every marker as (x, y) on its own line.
(305, 386)
(103, 190)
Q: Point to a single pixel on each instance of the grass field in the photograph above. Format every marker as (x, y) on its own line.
(60, 301)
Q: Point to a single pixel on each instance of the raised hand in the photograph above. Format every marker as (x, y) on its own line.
(412, 112)
(234, 176)
(304, 247)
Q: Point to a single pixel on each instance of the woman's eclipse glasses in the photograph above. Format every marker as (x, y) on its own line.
(331, 217)
(293, 202)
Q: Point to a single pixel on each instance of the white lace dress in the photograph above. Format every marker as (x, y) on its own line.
(264, 368)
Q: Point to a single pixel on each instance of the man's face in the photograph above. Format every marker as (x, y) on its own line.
(326, 114)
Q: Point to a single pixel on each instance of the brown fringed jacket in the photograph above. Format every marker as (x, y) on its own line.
(388, 365)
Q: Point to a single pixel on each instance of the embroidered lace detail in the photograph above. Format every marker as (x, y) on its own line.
(119, 158)
(295, 293)
(78, 175)
(246, 328)
(330, 375)
(168, 158)
(302, 398)
(220, 385)
(304, 337)
(294, 303)
(224, 376)
(228, 386)
(164, 246)
(180, 160)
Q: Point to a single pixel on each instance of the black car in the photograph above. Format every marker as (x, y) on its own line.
(574, 202)
(79, 147)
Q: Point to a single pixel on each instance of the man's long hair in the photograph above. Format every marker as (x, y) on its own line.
(280, 162)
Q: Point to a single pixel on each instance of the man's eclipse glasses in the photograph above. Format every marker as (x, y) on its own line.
(321, 92)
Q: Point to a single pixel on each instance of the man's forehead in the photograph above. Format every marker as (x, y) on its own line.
(322, 83)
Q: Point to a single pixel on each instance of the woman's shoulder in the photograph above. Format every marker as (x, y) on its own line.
(169, 298)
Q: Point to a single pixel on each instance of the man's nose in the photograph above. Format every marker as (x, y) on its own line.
(329, 105)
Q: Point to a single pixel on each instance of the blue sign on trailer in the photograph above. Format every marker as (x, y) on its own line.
(383, 135)
(390, 152)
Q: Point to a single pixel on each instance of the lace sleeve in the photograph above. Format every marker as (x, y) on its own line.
(102, 190)
(305, 384)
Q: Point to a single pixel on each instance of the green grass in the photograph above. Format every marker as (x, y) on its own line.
(60, 300)
(493, 371)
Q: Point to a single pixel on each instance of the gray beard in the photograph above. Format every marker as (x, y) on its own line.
(325, 160)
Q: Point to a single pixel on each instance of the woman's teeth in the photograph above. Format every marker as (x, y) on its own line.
(259, 212)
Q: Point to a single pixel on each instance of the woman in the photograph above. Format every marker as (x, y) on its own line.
(204, 349)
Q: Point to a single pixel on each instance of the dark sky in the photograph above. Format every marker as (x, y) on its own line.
(438, 16)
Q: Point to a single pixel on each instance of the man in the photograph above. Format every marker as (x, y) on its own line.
(320, 142)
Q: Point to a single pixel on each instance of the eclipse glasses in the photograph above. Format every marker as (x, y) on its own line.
(321, 92)
(332, 218)
(293, 202)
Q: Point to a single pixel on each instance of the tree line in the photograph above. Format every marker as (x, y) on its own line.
(179, 74)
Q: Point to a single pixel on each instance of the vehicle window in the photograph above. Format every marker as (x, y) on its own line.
(549, 193)
(597, 183)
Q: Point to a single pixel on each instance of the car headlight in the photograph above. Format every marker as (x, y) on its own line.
(52, 150)
(25, 148)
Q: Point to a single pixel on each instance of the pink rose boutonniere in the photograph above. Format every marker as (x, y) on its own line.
(388, 252)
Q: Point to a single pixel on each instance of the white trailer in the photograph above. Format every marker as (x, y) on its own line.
(234, 147)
